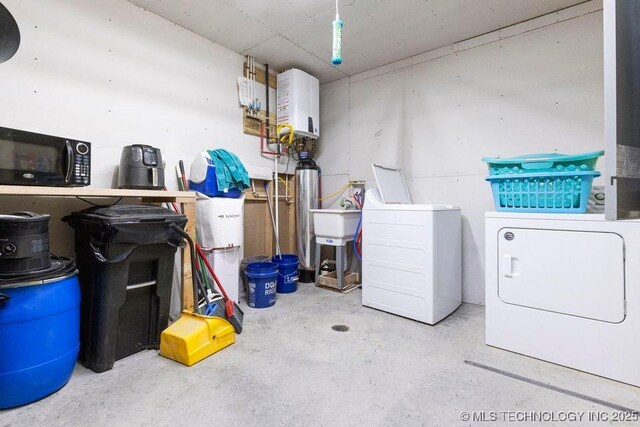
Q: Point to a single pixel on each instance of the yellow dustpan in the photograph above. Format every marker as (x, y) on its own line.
(194, 337)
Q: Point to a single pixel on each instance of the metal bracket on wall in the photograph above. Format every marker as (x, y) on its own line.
(286, 197)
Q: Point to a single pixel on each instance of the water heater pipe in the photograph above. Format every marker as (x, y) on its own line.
(275, 177)
(263, 149)
(273, 221)
(266, 73)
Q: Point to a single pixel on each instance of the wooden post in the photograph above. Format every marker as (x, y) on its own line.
(189, 209)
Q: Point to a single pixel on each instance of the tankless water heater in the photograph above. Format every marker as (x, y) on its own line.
(299, 103)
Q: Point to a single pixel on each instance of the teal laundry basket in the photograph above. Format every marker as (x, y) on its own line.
(544, 183)
(544, 162)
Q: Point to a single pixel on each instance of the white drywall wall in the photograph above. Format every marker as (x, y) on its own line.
(532, 88)
(110, 73)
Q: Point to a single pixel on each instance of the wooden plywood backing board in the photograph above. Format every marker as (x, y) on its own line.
(260, 76)
(258, 228)
(287, 228)
(251, 126)
(255, 228)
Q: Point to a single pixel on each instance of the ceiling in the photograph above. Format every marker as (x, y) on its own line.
(297, 33)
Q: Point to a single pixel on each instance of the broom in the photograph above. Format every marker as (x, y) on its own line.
(234, 313)
(197, 283)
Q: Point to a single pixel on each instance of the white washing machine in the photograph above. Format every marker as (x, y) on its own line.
(566, 289)
(411, 254)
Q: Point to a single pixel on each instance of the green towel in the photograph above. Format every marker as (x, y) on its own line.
(230, 172)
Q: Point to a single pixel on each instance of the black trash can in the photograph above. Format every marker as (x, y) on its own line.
(125, 257)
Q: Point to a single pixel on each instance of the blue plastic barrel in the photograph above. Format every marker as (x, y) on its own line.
(261, 281)
(287, 273)
(39, 338)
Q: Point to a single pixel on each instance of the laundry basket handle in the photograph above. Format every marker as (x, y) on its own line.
(537, 164)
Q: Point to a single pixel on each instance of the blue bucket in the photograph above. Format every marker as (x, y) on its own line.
(287, 273)
(39, 338)
(261, 284)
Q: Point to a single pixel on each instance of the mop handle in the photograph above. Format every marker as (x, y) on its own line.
(194, 271)
(206, 262)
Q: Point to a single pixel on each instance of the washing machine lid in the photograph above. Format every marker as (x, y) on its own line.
(391, 185)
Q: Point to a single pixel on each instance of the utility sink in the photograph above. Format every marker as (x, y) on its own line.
(335, 226)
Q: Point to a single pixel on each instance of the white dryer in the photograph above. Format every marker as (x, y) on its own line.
(411, 253)
(566, 289)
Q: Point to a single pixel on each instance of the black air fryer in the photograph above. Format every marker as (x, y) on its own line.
(24, 243)
(141, 167)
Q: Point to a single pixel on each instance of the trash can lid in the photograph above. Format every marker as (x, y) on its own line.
(129, 213)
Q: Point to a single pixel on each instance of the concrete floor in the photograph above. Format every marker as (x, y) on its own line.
(290, 368)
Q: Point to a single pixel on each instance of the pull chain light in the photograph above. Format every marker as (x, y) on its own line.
(337, 39)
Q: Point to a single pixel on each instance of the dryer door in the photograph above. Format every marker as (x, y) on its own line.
(576, 273)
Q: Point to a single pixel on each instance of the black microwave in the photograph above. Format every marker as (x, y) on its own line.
(28, 158)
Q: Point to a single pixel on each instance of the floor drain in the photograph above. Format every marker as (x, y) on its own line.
(340, 328)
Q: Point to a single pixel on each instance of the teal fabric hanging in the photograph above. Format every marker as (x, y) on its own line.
(230, 172)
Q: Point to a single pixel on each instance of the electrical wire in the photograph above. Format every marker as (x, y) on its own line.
(337, 193)
(289, 155)
(94, 204)
(357, 236)
(358, 199)
(286, 184)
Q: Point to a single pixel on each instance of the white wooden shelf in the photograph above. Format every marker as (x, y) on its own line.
(28, 190)
(186, 198)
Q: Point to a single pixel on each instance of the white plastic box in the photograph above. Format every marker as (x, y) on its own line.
(226, 263)
(221, 235)
(220, 221)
